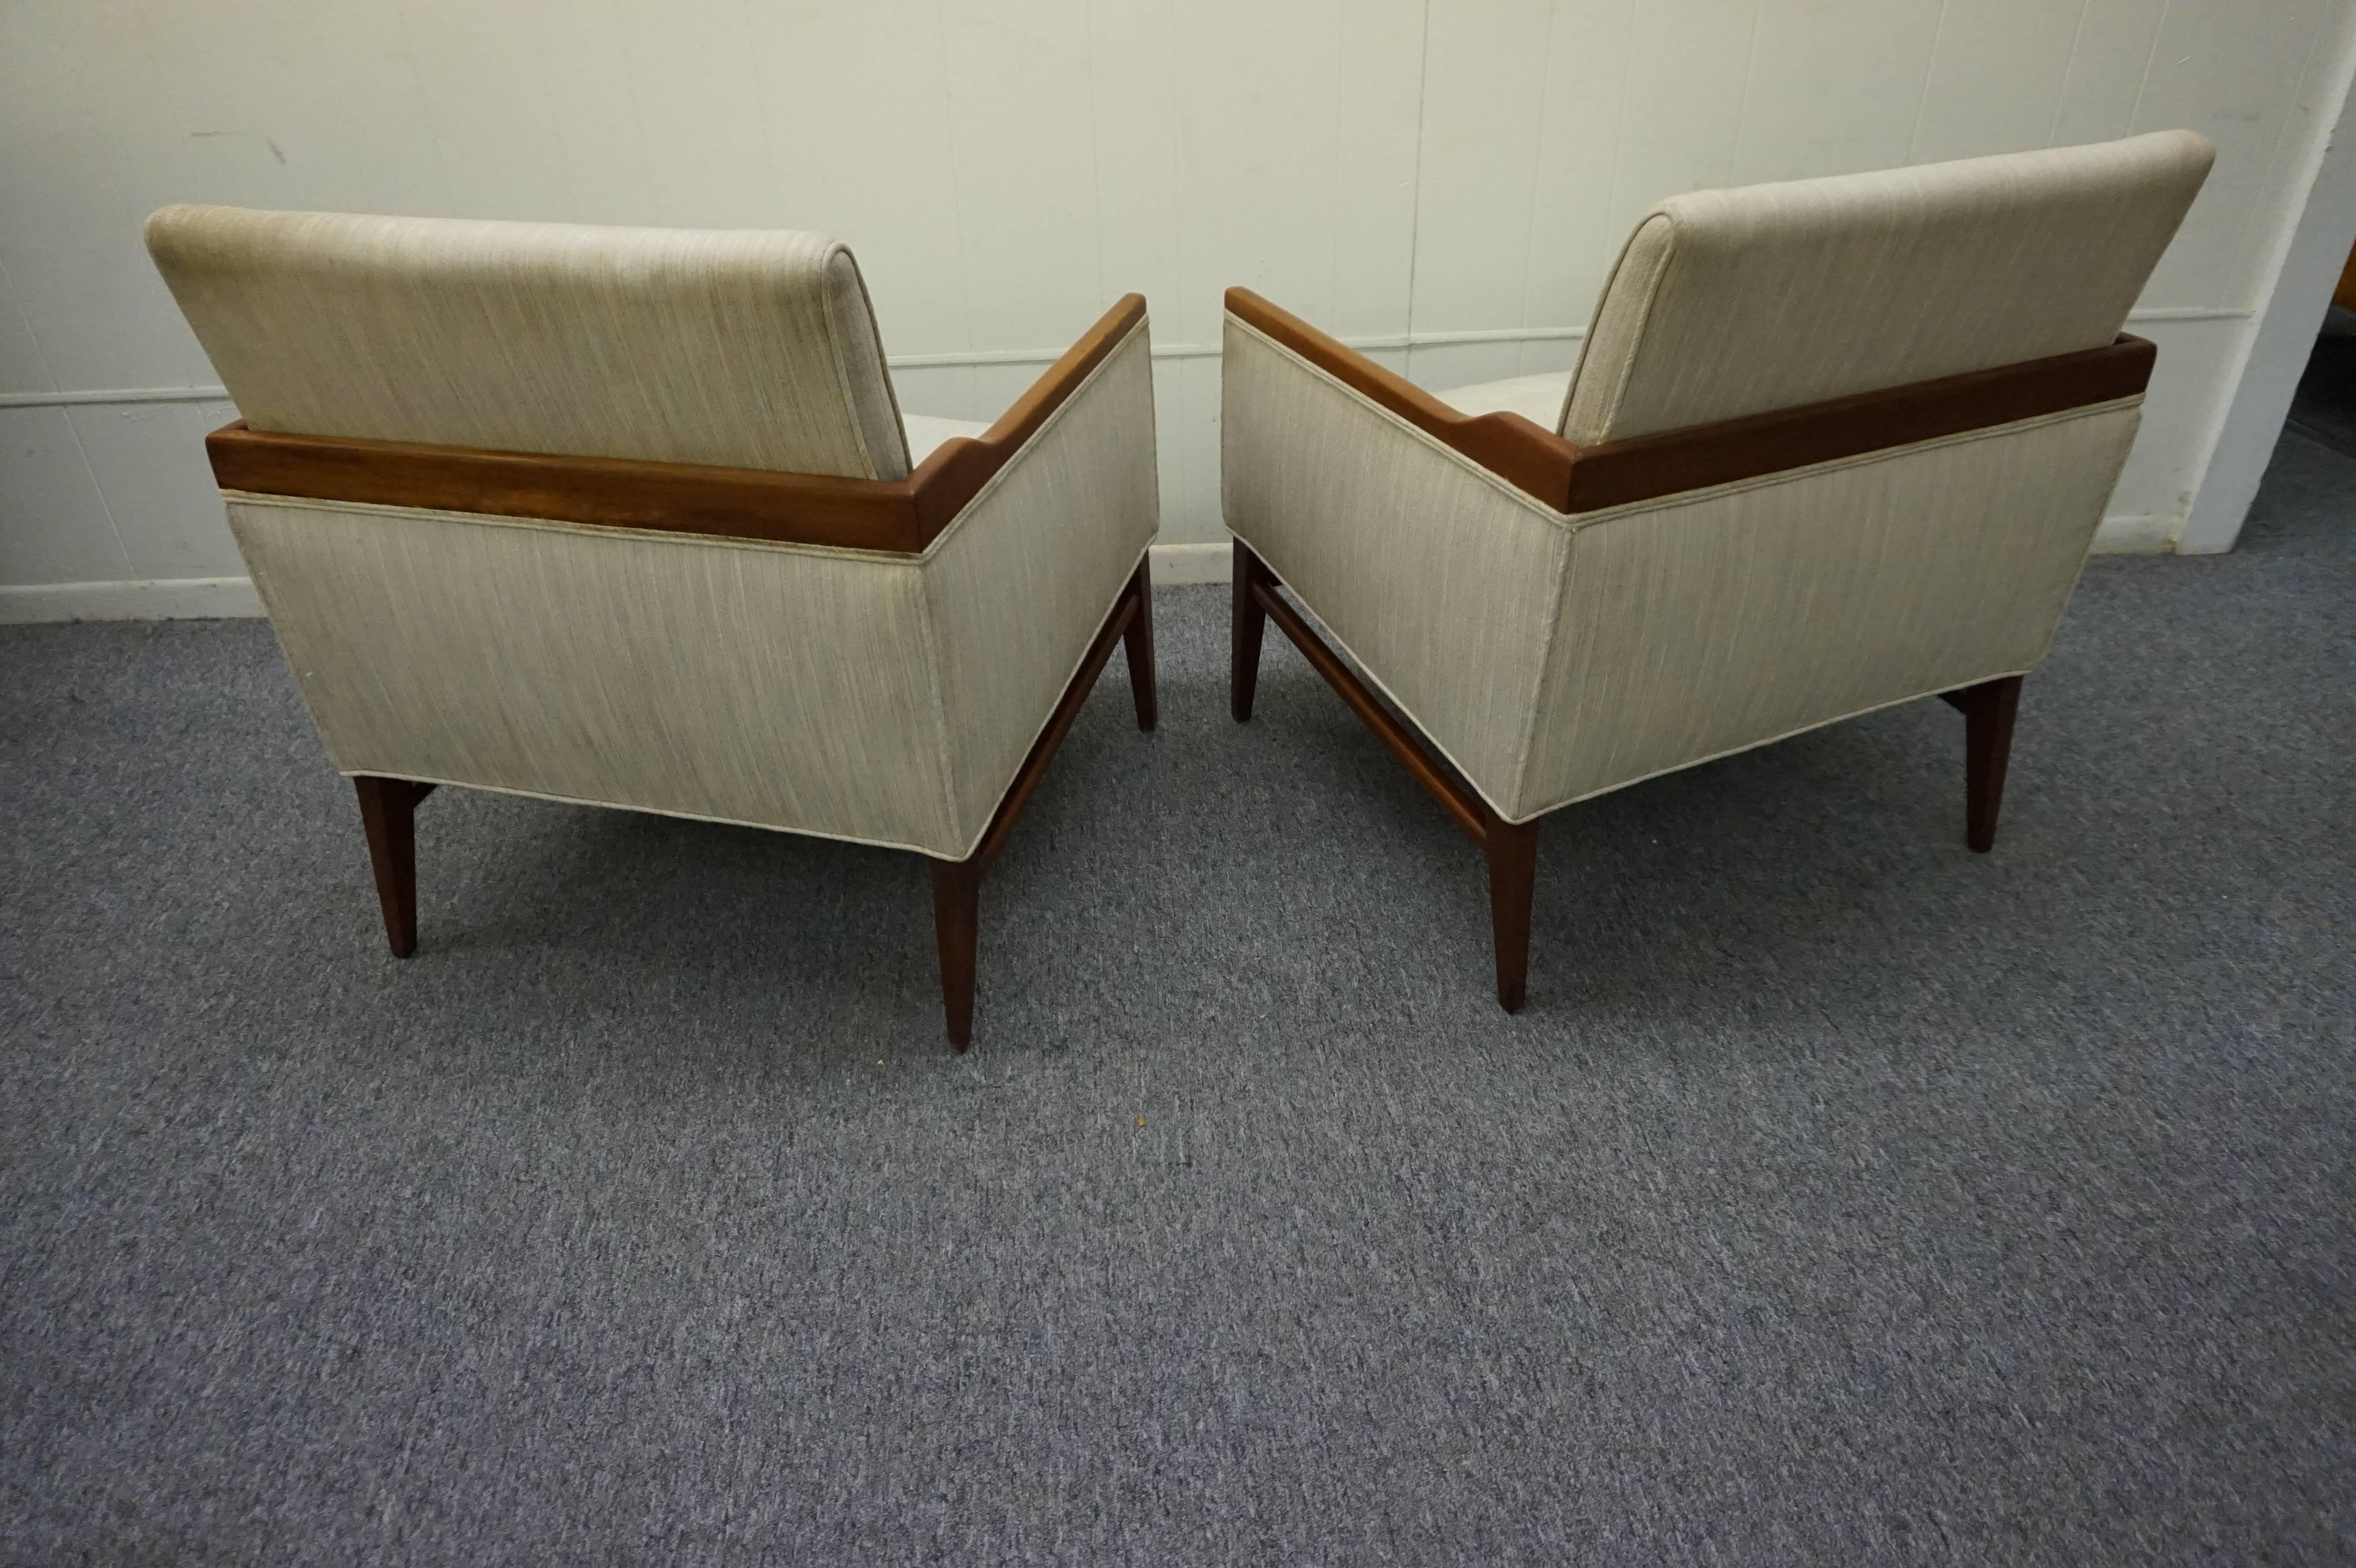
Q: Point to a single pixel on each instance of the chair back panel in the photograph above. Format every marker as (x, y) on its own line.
(743, 349)
(779, 686)
(1728, 303)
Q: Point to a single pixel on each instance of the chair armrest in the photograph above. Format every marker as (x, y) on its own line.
(1571, 478)
(1615, 473)
(900, 515)
(955, 471)
(1532, 459)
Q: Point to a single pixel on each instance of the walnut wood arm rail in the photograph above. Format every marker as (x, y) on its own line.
(1571, 478)
(902, 514)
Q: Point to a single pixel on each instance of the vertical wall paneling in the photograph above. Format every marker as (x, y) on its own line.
(1378, 97)
(1484, 87)
(1572, 242)
(855, 108)
(1023, 147)
(85, 155)
(149, 462)
(53, 526)
(1995, 77)
(1681, 103)
(1445, 180)
(2109, 56)
(2230, 72)
(1833, 85)
(1133, 108)
(22, 367)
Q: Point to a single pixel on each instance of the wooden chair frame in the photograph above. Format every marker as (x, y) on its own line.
(890, 516)
(1570, 479)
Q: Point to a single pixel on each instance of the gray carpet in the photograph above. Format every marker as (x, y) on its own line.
(1842, 1196)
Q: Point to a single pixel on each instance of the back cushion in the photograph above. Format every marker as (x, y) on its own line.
(744, 349)
(1728, 303)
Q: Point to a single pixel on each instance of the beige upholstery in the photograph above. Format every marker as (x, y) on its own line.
(863, 695)
(1537, 399)
(1728, 303)
(749, 349)
(1552, 657)
(927, 432)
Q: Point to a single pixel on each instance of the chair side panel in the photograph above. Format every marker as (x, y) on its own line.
(1440, 578)
(1017, 586)
(1706, 624)
(780, 686)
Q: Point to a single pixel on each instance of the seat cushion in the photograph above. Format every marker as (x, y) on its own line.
(1537, 399)
(925, 432)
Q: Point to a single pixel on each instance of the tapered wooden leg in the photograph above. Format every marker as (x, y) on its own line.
(1512, 851)
(1250, 620)
(956, 928)
(1139, 642)
(389, 813)
(1990, 708)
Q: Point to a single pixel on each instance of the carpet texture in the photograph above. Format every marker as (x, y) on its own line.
(1842, 1196)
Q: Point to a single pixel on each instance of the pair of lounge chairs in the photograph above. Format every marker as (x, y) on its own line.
(632, 518)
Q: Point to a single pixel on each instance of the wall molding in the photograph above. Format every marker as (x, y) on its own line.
(968, 359)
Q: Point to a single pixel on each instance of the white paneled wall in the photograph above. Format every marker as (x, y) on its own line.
(1445, 181)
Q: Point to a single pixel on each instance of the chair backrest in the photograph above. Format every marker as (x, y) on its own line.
(740, 348)
(1728, 303)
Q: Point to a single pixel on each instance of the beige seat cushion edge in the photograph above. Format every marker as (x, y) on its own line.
(926, 432)
(1536, 398)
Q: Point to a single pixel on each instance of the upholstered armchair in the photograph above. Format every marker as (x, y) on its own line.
(631, 518)
(1829, 446)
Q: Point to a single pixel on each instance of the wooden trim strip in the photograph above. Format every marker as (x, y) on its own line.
(1614, 472)
(898, 515)
(670, 498)
(1533, 460)
(1573, 479)
(1471, 812)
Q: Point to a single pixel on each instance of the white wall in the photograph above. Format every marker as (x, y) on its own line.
(1444, 183)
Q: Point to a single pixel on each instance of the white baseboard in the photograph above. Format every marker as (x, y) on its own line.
(1175, 565)
(2136, 536)
(171, 599)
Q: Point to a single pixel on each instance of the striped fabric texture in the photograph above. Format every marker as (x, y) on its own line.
(742, 350)
(852, 694)
(1554, 657)
(1551, 659)
(1728, 303)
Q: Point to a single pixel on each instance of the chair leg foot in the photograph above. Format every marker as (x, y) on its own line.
(389, 815)
(1137, 640)
(1989, 709)
(1250, 622)
(957, 930)
(1512, 852)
